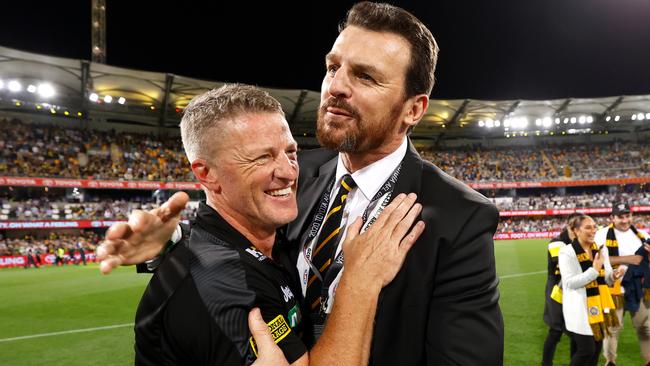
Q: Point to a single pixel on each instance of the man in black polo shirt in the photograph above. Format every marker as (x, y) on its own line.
(195, 307)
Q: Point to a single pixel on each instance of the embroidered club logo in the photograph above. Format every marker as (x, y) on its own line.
(594, 311)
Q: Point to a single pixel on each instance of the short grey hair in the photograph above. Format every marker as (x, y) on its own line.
(205, 117)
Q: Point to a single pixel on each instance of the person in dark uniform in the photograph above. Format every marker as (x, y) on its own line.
(553, 305)
(195, 307)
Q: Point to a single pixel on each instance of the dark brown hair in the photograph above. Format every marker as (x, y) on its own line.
(380, 17)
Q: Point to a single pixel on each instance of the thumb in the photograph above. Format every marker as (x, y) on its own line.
(174, 206)
(260, 331)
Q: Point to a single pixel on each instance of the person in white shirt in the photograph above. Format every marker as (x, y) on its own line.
(623, 241)
(586, 302)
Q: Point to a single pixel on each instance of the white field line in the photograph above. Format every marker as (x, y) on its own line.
(65, 332)
(522, 274)
(131, 324)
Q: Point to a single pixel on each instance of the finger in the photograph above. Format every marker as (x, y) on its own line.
(118, 231)
(407, 243)
(400, 211)
(174, 206)
(383, 217)
(260, 331)
(352, 232)
(107, 265)
(106, 248)
(407, 221)
(140, 221)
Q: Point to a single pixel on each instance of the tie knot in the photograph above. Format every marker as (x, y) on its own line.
(348, 183)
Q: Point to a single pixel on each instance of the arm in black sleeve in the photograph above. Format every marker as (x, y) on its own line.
(465, 323)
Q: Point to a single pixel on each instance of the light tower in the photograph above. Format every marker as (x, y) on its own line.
(98, 27)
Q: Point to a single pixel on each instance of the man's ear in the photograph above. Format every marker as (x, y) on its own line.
(416, 108)
(206, 175)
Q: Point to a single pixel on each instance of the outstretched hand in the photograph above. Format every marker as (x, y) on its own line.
(378, 253)
(143, 237)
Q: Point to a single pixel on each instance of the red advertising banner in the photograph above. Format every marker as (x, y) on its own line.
(41, 225)
(90, 183)
(120, 184)
(529, 235)
(46, 259)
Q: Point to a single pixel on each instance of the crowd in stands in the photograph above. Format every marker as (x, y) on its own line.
(549, 201)
(85, 240)
(557, 223)
(557, 162)
(44, 209)
(52, 151)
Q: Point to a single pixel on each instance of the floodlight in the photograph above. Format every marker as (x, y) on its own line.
(582, 120)
(557, 121)
(538, 122)
(497, 123)
(489, 123)
(566, 120)
(31, 88)
(547, 122)
(481, 123)
(506, 123)
(590, 119)
(573, 120)
(121, 100)
(647, 116)
(45, 90)
(108, 99)
(640, 117)
(617, 118)
(608, 118)
(633, 117)
(14, 86)
(2, 84)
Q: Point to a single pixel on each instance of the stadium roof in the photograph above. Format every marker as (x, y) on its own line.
(157, 99)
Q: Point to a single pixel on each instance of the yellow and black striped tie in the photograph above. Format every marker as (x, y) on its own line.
(328, 240)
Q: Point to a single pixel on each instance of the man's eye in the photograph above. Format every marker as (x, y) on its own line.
(331, 69)
(365, 76)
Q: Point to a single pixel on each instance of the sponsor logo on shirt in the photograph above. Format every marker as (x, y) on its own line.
(278, 328)
(294, 316)
(288, 295)
(256, 253)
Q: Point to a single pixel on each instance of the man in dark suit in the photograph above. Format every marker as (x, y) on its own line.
(442, 308)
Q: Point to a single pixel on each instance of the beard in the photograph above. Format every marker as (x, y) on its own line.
(357, 136)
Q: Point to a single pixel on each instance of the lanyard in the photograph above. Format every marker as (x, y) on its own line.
(385, 191)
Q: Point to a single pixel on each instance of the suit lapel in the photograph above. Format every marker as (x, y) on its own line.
(310, 191)
(410, 177)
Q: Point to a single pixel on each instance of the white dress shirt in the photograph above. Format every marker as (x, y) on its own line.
(369, 180)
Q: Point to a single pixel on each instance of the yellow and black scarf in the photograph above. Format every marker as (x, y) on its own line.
(612, 246)
(600, 306)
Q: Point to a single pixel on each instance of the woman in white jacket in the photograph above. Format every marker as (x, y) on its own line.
(586, 302)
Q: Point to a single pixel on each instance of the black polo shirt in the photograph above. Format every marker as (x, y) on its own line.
(195, 309)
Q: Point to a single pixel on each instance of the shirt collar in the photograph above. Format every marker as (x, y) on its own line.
(370, 178)
(210, 220)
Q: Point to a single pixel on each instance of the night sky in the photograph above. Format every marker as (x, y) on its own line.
(505, 49)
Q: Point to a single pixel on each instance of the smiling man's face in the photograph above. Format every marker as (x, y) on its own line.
(257, 170)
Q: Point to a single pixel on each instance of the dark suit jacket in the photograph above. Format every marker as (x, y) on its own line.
(442, 308)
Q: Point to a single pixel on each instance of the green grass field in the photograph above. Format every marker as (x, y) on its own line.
(53, 300)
